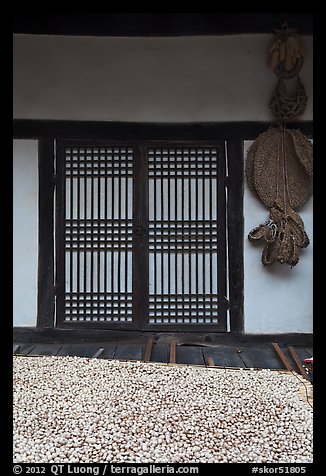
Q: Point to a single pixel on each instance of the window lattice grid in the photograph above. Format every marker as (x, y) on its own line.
(182, 162)
(98, 233)
(183, 237)
(184, 309)
(108, 307)
(99, 161)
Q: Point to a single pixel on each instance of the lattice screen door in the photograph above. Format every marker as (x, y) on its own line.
(141, 235)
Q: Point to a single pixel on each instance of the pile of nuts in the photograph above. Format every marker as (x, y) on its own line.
(72, 409)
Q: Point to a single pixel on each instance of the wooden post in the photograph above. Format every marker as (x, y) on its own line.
(45, 287)
(148, 349)
(235, 187)
(173, 352)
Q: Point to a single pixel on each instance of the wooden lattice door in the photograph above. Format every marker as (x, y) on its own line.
(141, 235)
(186, 236)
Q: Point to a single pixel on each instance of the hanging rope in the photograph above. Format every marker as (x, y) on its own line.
(279, 165)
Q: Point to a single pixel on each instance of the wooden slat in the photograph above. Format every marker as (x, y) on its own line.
(297, 360)
(263, 358)
(129, 352)
(15, 348)
(77, 350)
(280, 354)
(109, 351)
(310, 351)
(160, 353)
(26, 349)
(148, 349)
(140, 287)
(191, 355)
(222, 258)
(98, 353)
(46, 349)
(224, 356)
(60, 210)
(173, 352)
(302, 353)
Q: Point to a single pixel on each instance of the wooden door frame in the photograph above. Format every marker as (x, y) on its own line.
(234, 133)
(140, 246)
(46, 264)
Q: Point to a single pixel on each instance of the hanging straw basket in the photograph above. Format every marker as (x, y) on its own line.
(287, 108)
(279, 163)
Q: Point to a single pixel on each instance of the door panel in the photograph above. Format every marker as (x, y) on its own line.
(97, 232)
(186, 228)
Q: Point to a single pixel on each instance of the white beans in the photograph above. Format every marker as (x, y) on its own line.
(90, 410)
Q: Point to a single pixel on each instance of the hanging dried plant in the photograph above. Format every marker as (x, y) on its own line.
(286, 52)
(279, 171)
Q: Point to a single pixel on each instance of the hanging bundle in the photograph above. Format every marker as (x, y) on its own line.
(288, 108)
(283, 234)
(279, 171)
(279, 165)
(286, 52)
(279, 162)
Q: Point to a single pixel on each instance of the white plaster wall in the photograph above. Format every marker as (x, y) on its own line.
(25, 232)
(175, 79)
(277, 298)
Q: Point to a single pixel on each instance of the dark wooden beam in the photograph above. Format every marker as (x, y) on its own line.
(158, 24)
(235, 233)
(45, 300)
(50, 129)
(58, 335)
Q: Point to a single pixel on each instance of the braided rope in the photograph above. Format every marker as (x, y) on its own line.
(287, 108)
